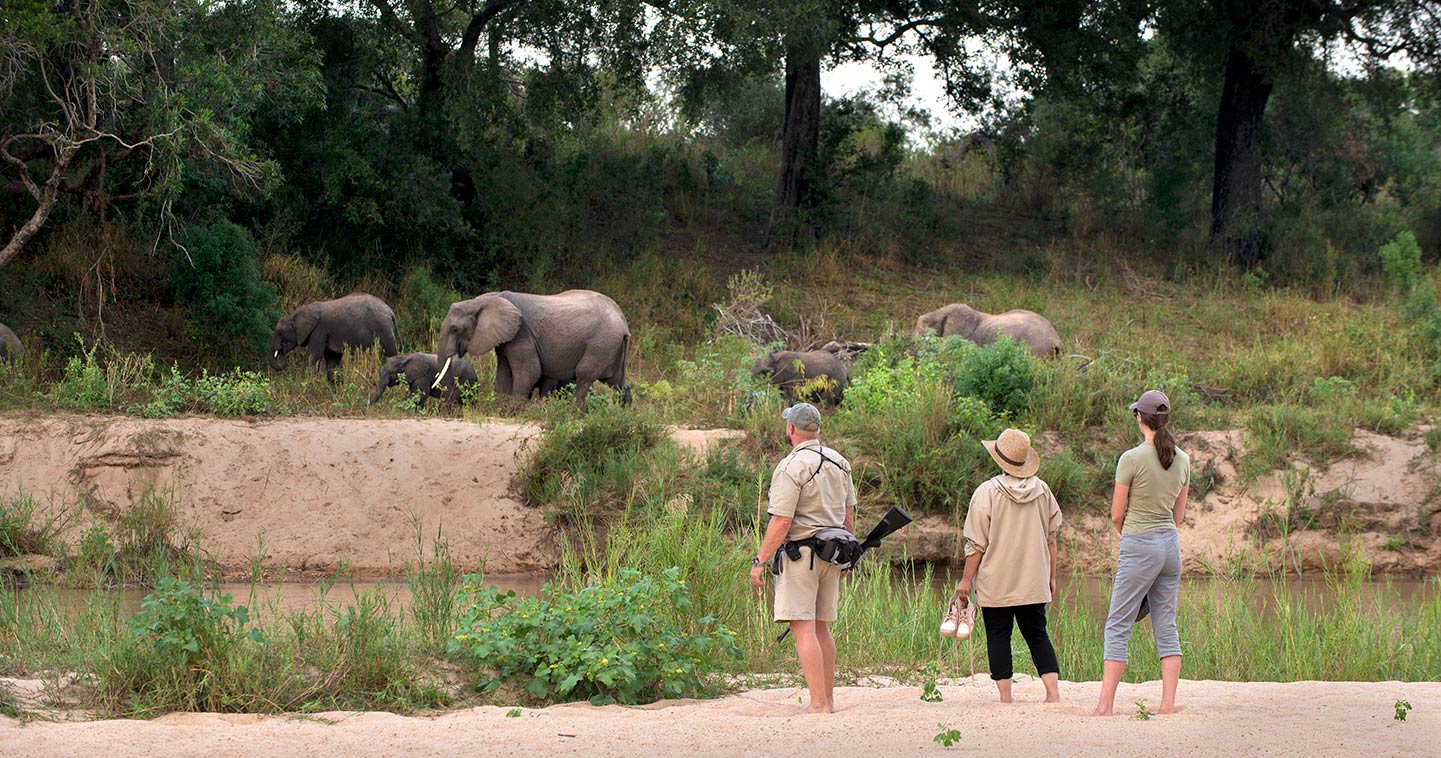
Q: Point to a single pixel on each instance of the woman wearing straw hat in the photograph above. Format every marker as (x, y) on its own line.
(1152, 482)
(1010, 537)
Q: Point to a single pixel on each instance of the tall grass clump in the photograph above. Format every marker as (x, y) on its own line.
(23, 531)
(146, 544)
(180, 651)
(593, 464)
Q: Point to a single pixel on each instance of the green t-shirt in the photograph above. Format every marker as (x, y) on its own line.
(1153, 489)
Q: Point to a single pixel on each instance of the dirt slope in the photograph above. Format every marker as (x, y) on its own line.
(312, 493)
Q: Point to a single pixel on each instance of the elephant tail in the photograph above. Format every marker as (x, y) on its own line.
(395, 330)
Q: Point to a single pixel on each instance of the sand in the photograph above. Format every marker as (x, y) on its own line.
(1216, 718)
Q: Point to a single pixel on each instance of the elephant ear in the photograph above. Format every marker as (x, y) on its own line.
(961, 319)
(497, 321)
(304, 320)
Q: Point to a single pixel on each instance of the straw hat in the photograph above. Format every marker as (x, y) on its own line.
(1013, 453)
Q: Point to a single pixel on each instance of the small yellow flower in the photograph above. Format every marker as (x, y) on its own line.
(605, 661)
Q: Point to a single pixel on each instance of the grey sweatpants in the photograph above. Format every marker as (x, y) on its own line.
(1149, 568)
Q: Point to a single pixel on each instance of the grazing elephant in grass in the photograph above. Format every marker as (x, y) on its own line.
(981, 328)
(327, 328)
(10, 347)
(540, 341)
(797, 375)
(419, 370)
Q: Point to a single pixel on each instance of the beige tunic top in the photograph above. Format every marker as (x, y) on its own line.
(1011, 521)
(813, 492)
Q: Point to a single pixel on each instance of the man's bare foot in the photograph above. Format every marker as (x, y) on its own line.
(1101, 711)
(1056, 698)
(823, 708)
(1165, 710)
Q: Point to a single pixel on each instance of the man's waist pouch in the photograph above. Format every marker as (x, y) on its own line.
(833, 545)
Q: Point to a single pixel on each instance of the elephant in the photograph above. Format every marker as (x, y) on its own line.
(327, 328)
(541, 342)
(791, 370)
(419, 370)
(11, 349)
(962, 320)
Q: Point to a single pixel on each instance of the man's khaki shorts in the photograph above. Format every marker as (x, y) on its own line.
(806, 594)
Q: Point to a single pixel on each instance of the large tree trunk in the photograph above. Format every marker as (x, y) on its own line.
(800, 140)
(1236, 190)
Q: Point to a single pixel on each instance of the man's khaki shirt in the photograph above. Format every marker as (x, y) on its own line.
(813, 492)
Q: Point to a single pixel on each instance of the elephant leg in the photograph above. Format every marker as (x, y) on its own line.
(421, 391)
(332, 366)
(504, 381)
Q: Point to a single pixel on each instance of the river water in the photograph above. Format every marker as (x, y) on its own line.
(276, 599)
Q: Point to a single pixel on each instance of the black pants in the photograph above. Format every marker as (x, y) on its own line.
(1032, 621)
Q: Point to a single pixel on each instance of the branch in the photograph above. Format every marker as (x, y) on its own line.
(899, 32)
(473, 30)
(387, 15)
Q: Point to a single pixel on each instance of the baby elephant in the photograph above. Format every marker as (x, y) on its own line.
(419, 370)
(962, 320)
(796, 373)
(10, 347)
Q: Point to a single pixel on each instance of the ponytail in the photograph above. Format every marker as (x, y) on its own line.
(1165, 442)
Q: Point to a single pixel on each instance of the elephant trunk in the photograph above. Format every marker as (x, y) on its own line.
(277, 360)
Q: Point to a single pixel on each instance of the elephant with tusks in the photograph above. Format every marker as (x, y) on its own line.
(541, 342)
(419, 371)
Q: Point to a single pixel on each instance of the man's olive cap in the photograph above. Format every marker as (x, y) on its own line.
(803, 416)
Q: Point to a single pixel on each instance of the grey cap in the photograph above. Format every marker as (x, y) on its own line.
(1152, 401)
(803, 416)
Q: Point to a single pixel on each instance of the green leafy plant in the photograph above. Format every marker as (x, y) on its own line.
(513, 713)
(615, 641)
(215, 276)
(1401, 260)
(1143, 711)
(1402, 708)
(930, 693)
(240, 393)
(1001, 373)
(83, 386)
(947, 736)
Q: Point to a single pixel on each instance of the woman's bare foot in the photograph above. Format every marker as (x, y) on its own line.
(1101, 711)
(823, 708)
(1056, 698)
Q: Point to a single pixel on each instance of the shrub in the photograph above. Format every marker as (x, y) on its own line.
(19, 532)
(1001, 374)
(83, 385)
(240, 393)
(180, 649)
(1401, 259)
(216, 278)
(583, 466)
(615, 641)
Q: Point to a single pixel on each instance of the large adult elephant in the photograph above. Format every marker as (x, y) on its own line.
(540, 341)
(959, 319)
(419, 371)
(326, 329)
(11, 348)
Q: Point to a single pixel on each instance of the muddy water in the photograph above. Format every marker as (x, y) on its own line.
(271, 601)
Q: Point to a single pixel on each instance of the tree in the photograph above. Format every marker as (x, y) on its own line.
(1257, 40)
(106, 101)
(727, 39)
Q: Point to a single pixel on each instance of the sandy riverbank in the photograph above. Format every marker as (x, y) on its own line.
(1217, 718)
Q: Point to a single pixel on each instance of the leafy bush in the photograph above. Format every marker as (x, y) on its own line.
(240, 393)
(1001, 373)
(215, 276)
(616, 641)
(83, 385)
(180, 651)
(1401, 259)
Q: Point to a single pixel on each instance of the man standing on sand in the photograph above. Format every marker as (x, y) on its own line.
(811, 490)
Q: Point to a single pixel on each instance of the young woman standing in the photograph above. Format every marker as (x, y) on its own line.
(1152, 482)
